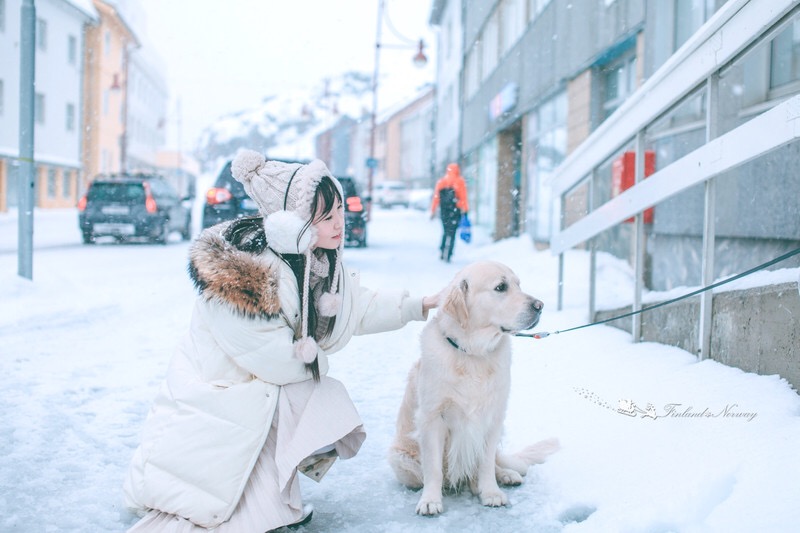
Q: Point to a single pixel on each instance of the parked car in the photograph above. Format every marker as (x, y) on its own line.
(355, 213)
(421, 199)
(226, 200)
(391, 193)
(129, 206)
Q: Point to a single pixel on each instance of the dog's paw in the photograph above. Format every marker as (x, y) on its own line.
(506, 476)
(429, 506)
(494, 498)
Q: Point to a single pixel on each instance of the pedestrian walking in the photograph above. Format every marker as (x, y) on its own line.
(450, 196)
(247, 403)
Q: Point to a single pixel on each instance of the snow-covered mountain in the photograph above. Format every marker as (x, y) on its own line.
(285, 125)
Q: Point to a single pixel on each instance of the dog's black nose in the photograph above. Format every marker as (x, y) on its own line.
(537, 305)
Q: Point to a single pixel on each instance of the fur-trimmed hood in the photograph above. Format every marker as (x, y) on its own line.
(245, 281)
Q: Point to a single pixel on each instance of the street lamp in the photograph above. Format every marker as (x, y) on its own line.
(419, 59)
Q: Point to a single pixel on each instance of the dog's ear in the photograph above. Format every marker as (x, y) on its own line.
(455, 303)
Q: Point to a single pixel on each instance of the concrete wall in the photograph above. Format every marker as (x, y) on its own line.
(756, 330)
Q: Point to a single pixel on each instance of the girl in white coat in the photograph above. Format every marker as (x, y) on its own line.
(247, 403)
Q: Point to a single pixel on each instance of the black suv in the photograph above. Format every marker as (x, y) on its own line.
(127, 206)
(227, 200)
(355, 214)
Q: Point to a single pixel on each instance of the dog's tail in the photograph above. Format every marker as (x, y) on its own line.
(528, 456)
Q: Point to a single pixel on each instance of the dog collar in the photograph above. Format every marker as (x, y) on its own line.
(455, 345)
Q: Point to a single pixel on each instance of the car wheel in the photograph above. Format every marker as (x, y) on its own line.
(88, 238)
(161, 236)
(186, 233)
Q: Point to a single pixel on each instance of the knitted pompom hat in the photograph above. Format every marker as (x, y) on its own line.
(284, 193)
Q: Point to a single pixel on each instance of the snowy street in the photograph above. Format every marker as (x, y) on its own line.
(652, 440)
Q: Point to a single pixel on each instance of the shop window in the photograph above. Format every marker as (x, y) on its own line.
(547, 148)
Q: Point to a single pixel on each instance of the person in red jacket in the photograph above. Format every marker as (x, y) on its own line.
(450, 196)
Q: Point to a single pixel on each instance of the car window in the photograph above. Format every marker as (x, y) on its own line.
(160, 188)
(225, 180)
(348, 187)
(116, 192)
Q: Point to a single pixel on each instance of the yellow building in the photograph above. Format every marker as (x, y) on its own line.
(105, 77)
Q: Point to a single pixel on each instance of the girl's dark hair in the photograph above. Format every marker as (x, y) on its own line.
(247, 234)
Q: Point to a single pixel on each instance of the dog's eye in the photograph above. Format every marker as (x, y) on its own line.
(503, 287)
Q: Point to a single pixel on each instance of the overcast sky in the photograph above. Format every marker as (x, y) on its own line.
(222, 57)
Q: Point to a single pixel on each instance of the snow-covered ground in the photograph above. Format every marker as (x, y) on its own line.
(652, 440)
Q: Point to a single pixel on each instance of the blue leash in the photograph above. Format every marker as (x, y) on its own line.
(543, 334)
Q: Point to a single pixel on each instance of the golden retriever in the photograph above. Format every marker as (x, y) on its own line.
(451, 417)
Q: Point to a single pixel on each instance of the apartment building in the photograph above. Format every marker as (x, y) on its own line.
(537, 77)
(58, 119)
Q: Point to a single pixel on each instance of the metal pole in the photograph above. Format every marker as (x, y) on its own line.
(638, 244)
(373, 118)
(27, 71)
(592, 253)
(709, 224)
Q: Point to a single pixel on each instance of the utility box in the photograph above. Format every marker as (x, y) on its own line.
(623, 176)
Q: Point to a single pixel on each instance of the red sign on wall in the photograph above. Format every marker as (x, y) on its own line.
(623, 176)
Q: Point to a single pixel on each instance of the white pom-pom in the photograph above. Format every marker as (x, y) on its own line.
(306, 349)
(329, 304)
(246, 164)
(282, 228)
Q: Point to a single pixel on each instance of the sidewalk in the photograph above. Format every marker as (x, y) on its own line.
(51, 228)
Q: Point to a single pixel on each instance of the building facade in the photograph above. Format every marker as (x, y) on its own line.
(109, 44)
(538, 76)
(100, 99)
(58, 118)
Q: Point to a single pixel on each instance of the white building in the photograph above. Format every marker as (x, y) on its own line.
(57, 100)
(446, 16)
(146, 110)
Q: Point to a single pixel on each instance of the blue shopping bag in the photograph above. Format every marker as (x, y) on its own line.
(465, 229)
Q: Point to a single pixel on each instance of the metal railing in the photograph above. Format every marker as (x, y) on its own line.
(735, 29)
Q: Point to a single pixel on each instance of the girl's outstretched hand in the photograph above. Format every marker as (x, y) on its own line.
(429, 302)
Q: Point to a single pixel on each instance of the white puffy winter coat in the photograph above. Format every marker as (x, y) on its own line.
(213, 412)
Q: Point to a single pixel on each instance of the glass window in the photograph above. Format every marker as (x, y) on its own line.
(689, 16)
(72, 50)
(70, 117)
(535, 7)
(512, 13)
(38, 108)
(785, 57)
(618, 82)
(547, 148)
(489, 43)
(472, 72)
(66, 184)
(51, 182)
(3, 15)
(41, 34)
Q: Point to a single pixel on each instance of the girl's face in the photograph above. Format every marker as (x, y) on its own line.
(330, 227)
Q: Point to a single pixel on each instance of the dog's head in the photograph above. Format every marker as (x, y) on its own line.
(486, 294)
